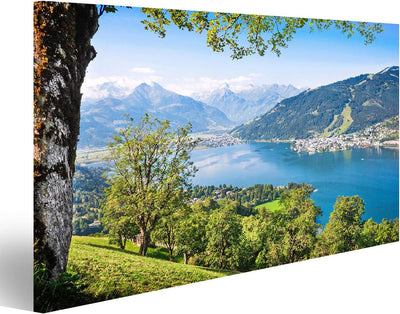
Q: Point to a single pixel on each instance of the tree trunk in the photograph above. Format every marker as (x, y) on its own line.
(170, 251)
(121, 241)
(185, 258)
(144, 241)
(62, 52)
(221, 257)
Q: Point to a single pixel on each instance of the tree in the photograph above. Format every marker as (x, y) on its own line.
(62, 52)
(263, 33)
(343, 232)
(118, 220)
(165, 230)
(150, 164)
(223, 233)
(375, 234)
(255, 233)
(191, 231)
(290, 232)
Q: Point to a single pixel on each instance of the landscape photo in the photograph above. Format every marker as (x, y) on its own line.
(174, 146)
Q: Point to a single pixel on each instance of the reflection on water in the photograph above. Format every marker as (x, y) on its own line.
(371, 173)
(347, 155)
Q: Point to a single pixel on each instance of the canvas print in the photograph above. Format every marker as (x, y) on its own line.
(175, 146)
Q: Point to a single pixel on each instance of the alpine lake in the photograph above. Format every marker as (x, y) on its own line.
(371, 173)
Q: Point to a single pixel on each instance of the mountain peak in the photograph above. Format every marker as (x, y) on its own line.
(150, 85)
(388, 69)
(224, 86)
(156, 85)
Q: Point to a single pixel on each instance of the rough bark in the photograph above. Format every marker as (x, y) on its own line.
(62, 52)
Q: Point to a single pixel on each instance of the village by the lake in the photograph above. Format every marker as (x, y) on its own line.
(373, 136)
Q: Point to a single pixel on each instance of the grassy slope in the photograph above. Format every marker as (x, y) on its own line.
(107, 272)
(347, 119)
(272, 205)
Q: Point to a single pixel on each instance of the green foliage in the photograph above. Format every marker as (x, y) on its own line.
(245, 197)
(54, 295)
(259, 33)
(119, 221)
(223, 232)
(150, 169)
(346, 231)
(89, 186)
(288, 235)
(191, 231)
(107, 9)
(165, 230)
(343, 232)
(376, 234)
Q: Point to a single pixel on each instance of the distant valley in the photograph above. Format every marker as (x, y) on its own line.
(214, 112)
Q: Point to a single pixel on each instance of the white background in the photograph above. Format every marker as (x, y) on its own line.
(366, 281)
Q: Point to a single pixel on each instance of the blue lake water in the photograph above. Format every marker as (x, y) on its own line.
(370, 173)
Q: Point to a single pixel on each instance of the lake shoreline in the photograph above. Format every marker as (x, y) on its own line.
(87, 157)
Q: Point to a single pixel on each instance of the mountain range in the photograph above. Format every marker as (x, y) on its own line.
(248, 103)
(100, 119)
(220, 109)
(342, 107)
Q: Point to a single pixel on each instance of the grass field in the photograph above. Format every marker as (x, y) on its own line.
(272, 205)
(98, 271)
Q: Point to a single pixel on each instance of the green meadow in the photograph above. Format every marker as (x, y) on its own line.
(99, 271)
(272, 205)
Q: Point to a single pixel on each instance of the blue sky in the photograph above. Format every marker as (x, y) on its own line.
(129, 55)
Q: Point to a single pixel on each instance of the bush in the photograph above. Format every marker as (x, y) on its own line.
(54, 295)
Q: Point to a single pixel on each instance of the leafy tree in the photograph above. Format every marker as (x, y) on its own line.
(165, 230)
(118, 219)
(375, 234)
(62, 52)
(191, 231)
(210, 204)
(343, 232)
(246, 34)
(150, 162)
(223, 233)
(255, 231)
(289, 234)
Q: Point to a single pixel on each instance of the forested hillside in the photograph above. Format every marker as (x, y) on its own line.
(342, 107)
(88, 192)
